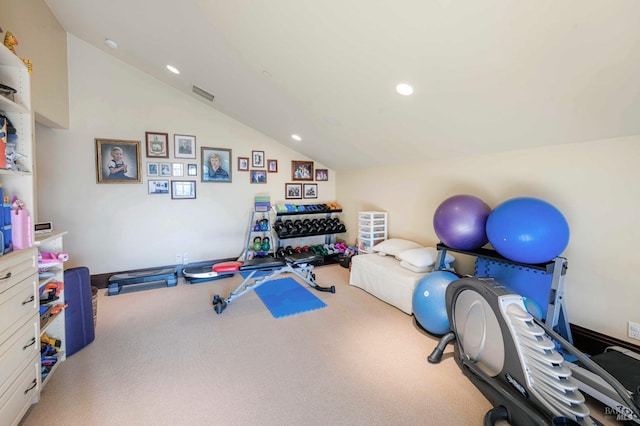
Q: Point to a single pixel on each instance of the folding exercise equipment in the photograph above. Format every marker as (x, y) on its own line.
(262, 270)
(511, 357)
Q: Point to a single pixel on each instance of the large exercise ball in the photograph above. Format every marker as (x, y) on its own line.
(429, 303)
(527, 230)
(460, 222)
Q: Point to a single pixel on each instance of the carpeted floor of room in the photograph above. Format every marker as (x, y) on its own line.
(164, 357)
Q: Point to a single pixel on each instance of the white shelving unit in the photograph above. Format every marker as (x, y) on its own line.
(256, 233)
(54, 326)
(20, 379)
(372, 230)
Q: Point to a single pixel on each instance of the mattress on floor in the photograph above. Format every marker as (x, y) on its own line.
(384, 278)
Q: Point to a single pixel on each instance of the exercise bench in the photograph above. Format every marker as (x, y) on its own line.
(299, 264)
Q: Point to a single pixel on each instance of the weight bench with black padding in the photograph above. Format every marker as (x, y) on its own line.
(168, 275)
(299, 264)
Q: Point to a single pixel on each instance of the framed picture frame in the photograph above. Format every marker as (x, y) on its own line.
(293, 191)
(118, 161)
(165, 169)
(183, 189)
(158, 186)
(243, 164)
(152, 169)
(301, 170)
(177, 169)
(216, 164)
(157, 144)
(258, 176)
(272, 166)
(322, 175)
(192, 170)
(257, 159)
(184, 146)
(310, 190)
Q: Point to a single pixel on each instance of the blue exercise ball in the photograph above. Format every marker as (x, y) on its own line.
(527, 230)
(460, 222)
(429, 303)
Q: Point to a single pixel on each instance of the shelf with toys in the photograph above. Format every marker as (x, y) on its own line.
(51, 260)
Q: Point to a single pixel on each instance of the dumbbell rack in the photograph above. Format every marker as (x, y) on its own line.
(261, 233)
(305, 225)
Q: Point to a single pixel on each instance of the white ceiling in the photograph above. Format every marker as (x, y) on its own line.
(489, 75)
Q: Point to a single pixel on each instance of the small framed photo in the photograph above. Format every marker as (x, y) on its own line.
(183, 189)
(310, 190)
(243, 164)
(165, 169)
(322, 174)
(158, 186)
(257, 158)
(177, 169)
(184, 146)
(272, 166)
(301, 170)
(157, 144)
(118, 161)
(258, 176)
(216, 164)
(292, 191)
(192, 170)
(152, 169)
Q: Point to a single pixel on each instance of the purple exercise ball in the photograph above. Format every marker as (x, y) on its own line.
(460, 222)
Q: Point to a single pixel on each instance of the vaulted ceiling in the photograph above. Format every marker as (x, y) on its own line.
(488, 75)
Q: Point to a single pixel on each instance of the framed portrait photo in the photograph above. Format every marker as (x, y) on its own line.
(243, 164)
(158, 187)
(184, 146)
(157, 144)
(192, 170)
(165, 169)
(118, 161)
(310, 190)
(292, 191)
(301, 170)
(258, 176)
(322, 174)
(183, 189)
(216, 164)
(152, 169)
(257, 158)
(272, 166)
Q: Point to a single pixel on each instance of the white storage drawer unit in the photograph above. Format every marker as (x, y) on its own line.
(19, 334)
(372, 229)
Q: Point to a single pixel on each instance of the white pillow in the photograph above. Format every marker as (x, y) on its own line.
(412, 268)
(394, 246)
(424, 257)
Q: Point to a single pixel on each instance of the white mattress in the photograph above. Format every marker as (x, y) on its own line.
(384, 278)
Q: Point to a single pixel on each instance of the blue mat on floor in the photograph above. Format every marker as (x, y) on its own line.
(286, 297)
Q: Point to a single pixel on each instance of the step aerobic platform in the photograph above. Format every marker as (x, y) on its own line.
(142, 280)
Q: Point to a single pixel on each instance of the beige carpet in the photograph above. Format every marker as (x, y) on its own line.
(164, 357)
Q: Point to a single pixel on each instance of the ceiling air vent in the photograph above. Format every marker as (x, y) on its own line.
(198, 91)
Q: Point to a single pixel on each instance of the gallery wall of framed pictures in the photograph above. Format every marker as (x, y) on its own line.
(172, 167)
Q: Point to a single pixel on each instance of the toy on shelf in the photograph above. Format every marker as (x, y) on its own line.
(10, 41)
(48, 260)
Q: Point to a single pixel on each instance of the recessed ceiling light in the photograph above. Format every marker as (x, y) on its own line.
(404, 89)
(173, 69)
(296, 137)
(112, 44)
(266, 74)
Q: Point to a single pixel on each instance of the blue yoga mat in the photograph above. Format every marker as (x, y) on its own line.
(286, 297)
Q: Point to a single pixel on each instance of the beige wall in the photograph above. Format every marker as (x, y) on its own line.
(592, 183)
(118, 227)
(43, 41)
